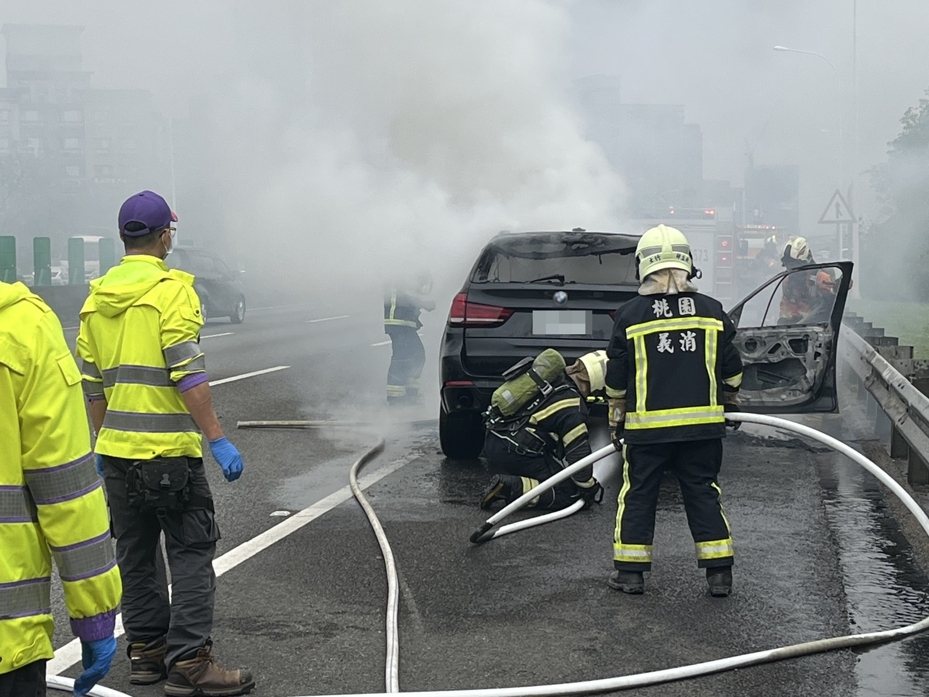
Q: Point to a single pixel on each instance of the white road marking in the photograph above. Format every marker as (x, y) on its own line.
(235, 378)
(70, 653)
(381, 343)
(216, 336)
(273, 307)
(327, 319)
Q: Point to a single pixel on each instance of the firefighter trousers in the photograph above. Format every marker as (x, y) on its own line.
(525, 472)
(406, 364)
(696, 465)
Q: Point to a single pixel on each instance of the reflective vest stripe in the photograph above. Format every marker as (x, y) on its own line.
(85, 559)
(715, 549)
(621, 501)
(734, 381)
(63, 482)
(92, 389)
(16, 505)
(641, 372)
(400, 323)
(25, 598)
(541, 414)
(89, 370)
(149, 423)
(666, 418)
(574, 434)
(138, 375)
(710, 357)
(672, 325)
(180, 353)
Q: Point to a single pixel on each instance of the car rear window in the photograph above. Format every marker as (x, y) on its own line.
(569, 258)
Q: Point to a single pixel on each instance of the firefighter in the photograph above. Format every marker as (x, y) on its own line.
(403, 303)
(672, 372)
(545, 435)
(145, 377)
(52, 504)
(807, 297)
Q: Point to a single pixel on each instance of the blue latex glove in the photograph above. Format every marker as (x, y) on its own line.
(228, 458)
(96, 657)
(98, 463)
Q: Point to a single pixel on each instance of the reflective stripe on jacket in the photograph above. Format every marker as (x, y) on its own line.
(400, 310)
(670, 358)
(139, 338)
(50, 495)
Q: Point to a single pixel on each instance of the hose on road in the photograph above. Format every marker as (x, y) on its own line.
(693, 670)
(61, 684)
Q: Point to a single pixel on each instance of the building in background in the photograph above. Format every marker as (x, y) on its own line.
(70, 152)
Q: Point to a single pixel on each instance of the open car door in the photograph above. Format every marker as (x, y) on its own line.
(787, 332)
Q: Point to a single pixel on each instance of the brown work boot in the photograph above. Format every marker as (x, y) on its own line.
(202, 676)
(147, 662)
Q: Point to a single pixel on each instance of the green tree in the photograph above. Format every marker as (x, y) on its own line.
(898, 246)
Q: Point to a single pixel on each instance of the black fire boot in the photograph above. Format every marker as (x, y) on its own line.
(502, 487)
(719, 579)
(147, 662)
(631, 582)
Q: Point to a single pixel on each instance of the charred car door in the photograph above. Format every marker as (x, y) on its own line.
(787, 332)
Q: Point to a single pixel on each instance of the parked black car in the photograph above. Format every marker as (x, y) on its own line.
(220, 291)
(536, 290)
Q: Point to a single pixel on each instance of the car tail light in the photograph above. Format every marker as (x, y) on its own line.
(468, 314)
(460, 383)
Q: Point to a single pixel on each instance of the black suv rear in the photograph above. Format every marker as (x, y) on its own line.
(217, 285)
(528, 291)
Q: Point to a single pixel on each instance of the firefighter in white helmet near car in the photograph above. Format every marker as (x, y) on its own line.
(806, 297)
(537, 425)
(672, 371)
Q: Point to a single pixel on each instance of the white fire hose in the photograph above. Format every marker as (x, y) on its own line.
(623, 682)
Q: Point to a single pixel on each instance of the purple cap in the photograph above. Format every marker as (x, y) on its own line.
(147, 209)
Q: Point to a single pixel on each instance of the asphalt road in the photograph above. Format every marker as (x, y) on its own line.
(306, 613)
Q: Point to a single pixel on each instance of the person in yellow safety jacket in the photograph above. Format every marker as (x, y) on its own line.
(673, 370)
(549, 434)
(51, 503)
(145, 377)
(403, 303)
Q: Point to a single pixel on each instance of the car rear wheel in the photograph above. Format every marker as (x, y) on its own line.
(461, 435)
(238, 314)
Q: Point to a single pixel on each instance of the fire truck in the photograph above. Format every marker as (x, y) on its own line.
(712, 236)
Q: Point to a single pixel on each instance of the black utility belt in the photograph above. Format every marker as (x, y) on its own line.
(162, 484)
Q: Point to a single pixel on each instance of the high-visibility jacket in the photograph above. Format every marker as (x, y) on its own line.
(51, 499)
(139, 339)
(671, 357)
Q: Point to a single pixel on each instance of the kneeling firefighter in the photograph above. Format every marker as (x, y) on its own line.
(537, 425)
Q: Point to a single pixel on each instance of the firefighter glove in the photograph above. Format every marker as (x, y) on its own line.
(96, 657)
(616, 413)
(590, 491)
(228, 458)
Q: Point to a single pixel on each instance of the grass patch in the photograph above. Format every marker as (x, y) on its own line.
(907, 320)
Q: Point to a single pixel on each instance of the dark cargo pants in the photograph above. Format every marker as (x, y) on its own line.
(696, 465)
(25, 681)
(190, 541)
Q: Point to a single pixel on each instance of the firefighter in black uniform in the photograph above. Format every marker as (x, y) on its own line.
(545, 435)
(672, 372)
(402, 306)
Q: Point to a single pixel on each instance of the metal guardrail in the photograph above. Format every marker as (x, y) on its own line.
(897, 384)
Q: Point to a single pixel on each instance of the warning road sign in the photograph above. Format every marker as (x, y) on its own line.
(837, 211)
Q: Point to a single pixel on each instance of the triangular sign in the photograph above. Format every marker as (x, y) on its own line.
(837, 211)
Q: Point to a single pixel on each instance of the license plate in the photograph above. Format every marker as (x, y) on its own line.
(561, 322)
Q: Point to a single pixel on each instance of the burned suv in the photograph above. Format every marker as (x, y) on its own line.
(527, 292)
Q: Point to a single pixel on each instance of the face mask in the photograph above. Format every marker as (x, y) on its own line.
(170, 248)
